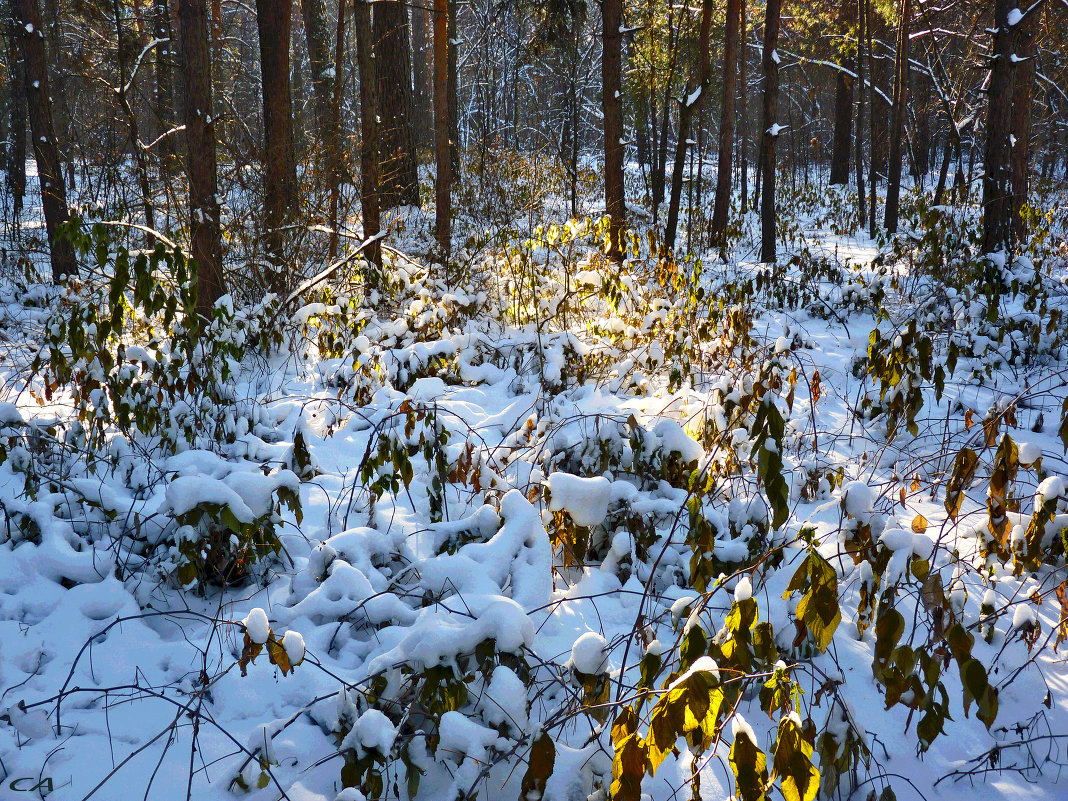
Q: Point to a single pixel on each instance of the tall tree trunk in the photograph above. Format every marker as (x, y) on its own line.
(443, 185)
(399, 184)
(422, 85)
(843, 114)
(721, 208)
(205, 228)
(612, 105)
(454, 94)
(165, 85)
(133, 140)
(369, 180)
(873, 161)
(743, 109)
(897, 127)
(15, 165)
(770, 62)
(997, 161)
(30, 36)
(859, 150)
(1023, 85)
(691, 104)
(317, 35)
(273, 19)
(336, 161)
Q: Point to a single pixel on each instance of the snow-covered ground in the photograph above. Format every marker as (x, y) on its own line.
(503, 489)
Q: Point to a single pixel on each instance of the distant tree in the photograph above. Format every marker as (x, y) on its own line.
(29, 34)
(399, 183)
(273, 20)
(897, 117)
(369, 178)
(721, 208)
(843, 107)
(612, 107)
(770, 64)
(443, 153)
(204, 225)
(691, 104)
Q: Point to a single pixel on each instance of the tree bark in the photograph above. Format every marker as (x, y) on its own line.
(399, 185)
(721, 208)
(612, 105)
(30, 36)
(442, 151)
(1023, 86)
(205, 228)
(15, 166)
(770, 62)
(454, 95)
(897, 127)
(422, 83)
(317, 36)
(997, 161)
(273, 19)
(743, 110)
(165, 85)
(843, 119)
(859, 150)
(369, 181)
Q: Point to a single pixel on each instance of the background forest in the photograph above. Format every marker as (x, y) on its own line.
(533, 399)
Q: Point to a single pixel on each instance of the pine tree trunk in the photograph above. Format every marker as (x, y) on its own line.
(1023, 86)
(204, 225)
(770, 62)
(897, 127)
(30, 36)
(317, 35)
(422, 85)
(743, 110)
(721, 208)
(454, 95)
(15, 164)
(997, 161)
(165, 86)
(369, 180)
(691, 104)
(443, 154)
(859, 149)
(843, 125)
(273, 19)
(398, 181)
(612, 104)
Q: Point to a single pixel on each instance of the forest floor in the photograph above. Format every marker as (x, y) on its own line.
(575, 464)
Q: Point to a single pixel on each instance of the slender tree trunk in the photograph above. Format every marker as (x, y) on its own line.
(743, 110)
(369, 180)
(399, 184)
(273, 18)
(443, 185)
(422, 85)
(691, 104)
(204, 225)
(1023, 85)
(897, 128)
(317, 36)
(336, 159)
(133, 140)
(721, 208)
(612, 104)
(165, 86)
(454, 95)
(843, 117)
(30, 36)
(997, 161)
(770, 63)
(15, 167)
(859, 150)
(873, 167)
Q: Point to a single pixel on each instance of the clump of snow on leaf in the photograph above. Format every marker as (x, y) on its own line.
(589, 653)
(257, 626)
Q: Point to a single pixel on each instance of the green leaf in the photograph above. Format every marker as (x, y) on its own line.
(750, 767)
